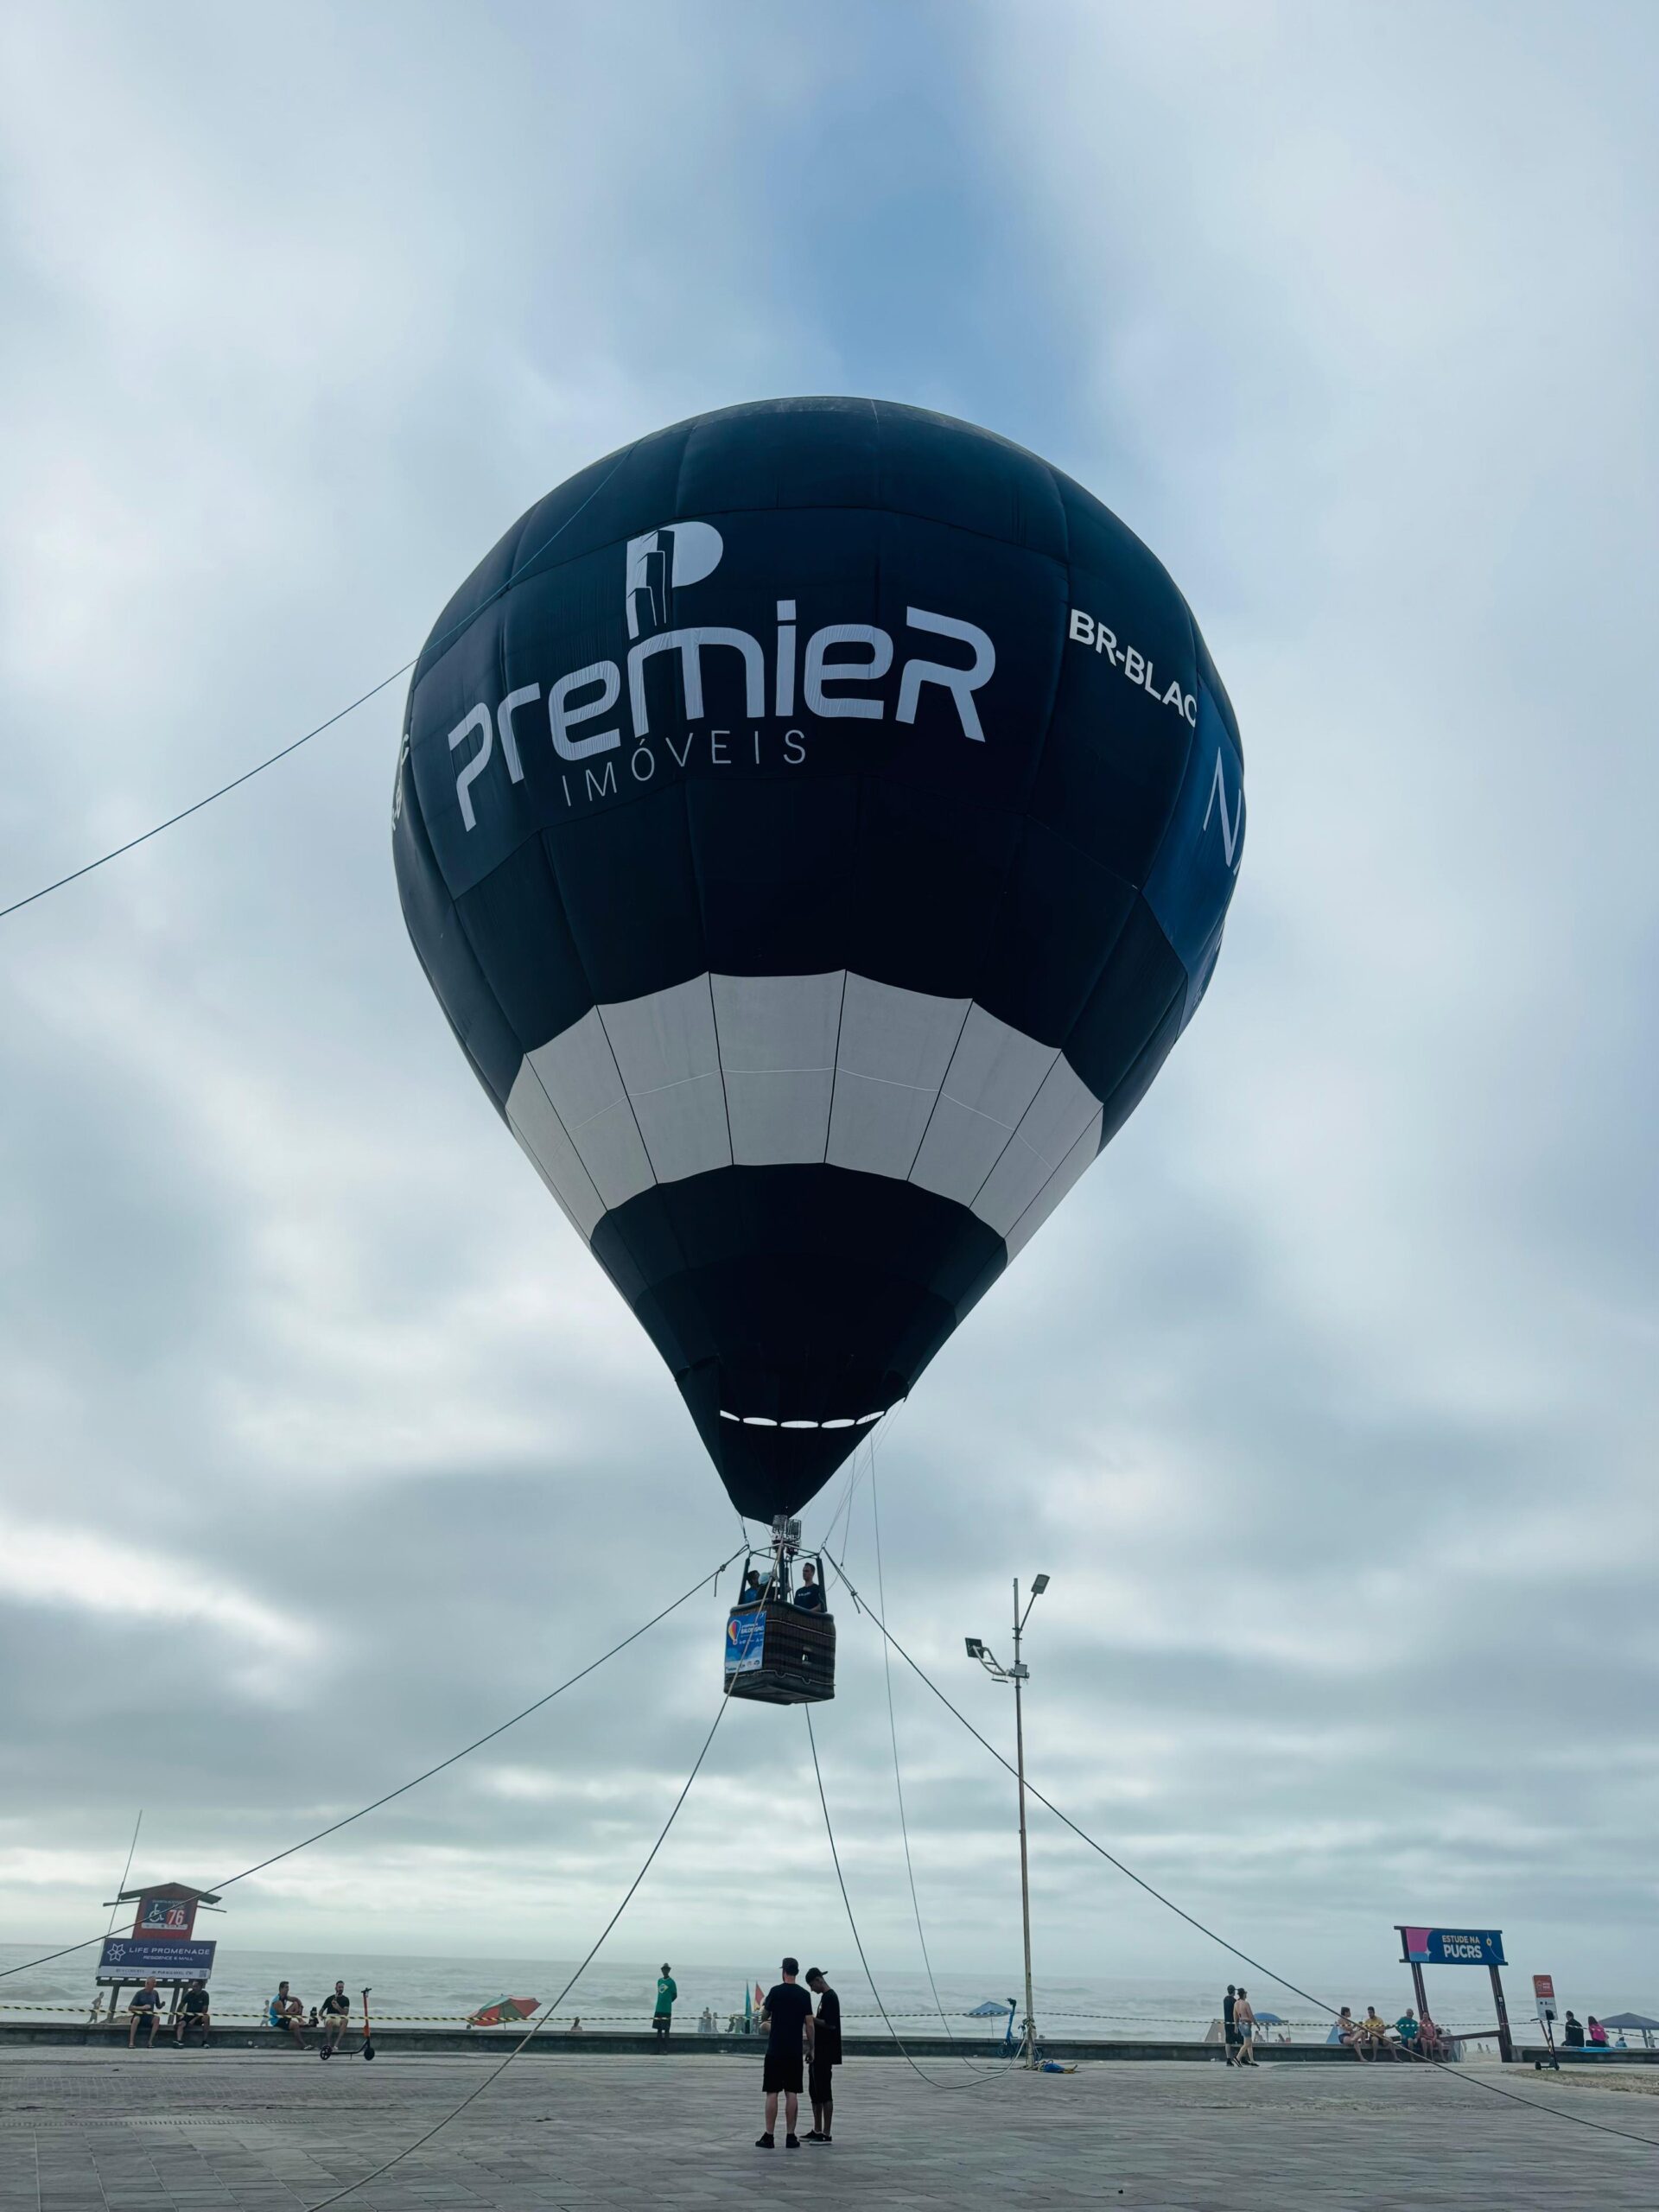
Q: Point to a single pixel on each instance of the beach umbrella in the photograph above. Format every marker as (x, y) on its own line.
(817, 822)
(990, 2009)
(1269, 2020)
(1628, 2020)
(497, 2015)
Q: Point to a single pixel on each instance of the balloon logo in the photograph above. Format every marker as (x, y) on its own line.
(818, 823)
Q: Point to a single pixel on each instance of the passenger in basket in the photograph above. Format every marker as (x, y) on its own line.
(809, 1596)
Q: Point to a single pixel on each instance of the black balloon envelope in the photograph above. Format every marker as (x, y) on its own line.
(817, 822)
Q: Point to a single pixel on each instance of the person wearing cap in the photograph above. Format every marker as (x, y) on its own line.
(667, 1990)
(786, 2015)
(826, 2053)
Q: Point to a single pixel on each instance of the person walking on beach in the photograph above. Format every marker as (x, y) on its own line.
(1244, 2025)
(787, 2012)
(1228, 2035)
(667, 1990)
(826, 2054)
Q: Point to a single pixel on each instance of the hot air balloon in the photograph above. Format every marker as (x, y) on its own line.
(817, 822)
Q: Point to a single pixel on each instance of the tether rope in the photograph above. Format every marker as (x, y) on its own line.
(899, 1782)
(403, 1788)
(1455, 2074)
(362, 700)
(547, 2009)
(976, 2080)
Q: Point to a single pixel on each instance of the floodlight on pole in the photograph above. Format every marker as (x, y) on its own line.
(1018, 1673)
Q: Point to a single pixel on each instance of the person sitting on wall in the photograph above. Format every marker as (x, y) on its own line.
(1597, 2037)
(287, 2015)
(1407, 2028)
(336, 2015)
(146, 1999)
(809, 1596)
(194, 2013)
(1572, 2033)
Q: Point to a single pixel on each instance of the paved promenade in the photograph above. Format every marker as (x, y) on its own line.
(100, 2132)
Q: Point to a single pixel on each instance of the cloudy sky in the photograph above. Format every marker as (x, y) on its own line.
(1328, 1400)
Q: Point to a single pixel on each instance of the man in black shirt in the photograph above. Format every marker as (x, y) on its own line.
(809, 1596)
(826, 2053)
(193, 2012)
(788, 2009)
(336, 2010)
(1228, 2032)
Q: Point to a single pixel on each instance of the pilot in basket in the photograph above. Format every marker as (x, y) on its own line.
(780, 1640)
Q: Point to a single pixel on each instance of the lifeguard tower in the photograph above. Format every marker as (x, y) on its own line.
(163, 1942)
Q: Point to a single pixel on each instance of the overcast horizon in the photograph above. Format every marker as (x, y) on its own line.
(1327, 1398)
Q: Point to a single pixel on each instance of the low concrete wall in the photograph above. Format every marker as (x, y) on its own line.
(559, 2042)
(1533, 2054)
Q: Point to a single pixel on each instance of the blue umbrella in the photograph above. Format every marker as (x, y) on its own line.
(990, 2008)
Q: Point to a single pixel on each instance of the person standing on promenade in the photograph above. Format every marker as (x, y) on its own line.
(1244, 2027)
(146, 1999)
(667, 1990)
(786, 2012)
(826, 2054)
(1228, 2035)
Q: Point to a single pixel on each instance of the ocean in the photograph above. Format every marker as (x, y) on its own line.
(618, 1995)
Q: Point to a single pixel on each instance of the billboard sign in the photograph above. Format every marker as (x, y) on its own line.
(131, 1958)
(745, 1642)
(1452, 1947)
(1543, 1990)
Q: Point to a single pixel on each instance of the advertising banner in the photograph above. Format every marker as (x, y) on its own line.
(129, 1958)
(1452, 1947)
(746, 1638)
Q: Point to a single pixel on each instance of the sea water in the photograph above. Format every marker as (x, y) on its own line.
(617, 1995)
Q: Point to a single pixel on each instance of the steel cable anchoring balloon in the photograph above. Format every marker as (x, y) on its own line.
(815, 849)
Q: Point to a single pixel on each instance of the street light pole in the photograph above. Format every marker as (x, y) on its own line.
(1019, 1674)
(1025, 1862)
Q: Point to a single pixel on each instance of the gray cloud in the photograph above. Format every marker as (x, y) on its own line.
(1326, 1399)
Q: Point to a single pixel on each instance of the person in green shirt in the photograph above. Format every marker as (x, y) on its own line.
(667, 1990)
(1407, 2028)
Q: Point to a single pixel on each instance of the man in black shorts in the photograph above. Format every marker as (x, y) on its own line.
(788, 2009)
(826, 2053)
(1228, 2032)
(193, 2014)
